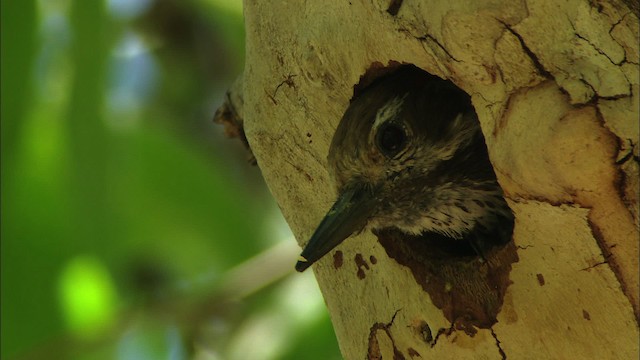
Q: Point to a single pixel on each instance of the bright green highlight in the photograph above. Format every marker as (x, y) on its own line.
(87, 296)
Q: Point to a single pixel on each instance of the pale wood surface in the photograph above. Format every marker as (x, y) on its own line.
(556, 90)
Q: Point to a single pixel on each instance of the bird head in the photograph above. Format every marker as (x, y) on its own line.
(407, 149)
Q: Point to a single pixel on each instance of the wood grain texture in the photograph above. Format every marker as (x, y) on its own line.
(555, 85)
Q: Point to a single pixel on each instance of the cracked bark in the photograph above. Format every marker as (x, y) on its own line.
(503, 356)
(555, 85)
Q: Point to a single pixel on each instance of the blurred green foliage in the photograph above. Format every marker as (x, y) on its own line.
(123, 207)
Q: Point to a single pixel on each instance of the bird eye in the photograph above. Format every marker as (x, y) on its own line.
(391, 138)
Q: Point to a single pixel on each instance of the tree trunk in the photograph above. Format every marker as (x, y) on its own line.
(555, 86)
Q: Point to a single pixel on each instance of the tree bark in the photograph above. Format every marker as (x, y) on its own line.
(555, 86)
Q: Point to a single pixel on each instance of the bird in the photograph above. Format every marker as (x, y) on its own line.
(409, 154)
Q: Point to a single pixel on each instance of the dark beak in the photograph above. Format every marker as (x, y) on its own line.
(349, 214)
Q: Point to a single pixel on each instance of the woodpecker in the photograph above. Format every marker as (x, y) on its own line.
(409, 154)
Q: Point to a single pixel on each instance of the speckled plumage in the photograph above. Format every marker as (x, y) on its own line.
(440, 182)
